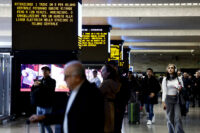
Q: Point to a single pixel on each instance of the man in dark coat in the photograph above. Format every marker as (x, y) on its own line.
(197, 86)
(151, 89)
(42, 93)
(85, 107)
(186, 90)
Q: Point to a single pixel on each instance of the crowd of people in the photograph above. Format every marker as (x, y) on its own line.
(100, 107)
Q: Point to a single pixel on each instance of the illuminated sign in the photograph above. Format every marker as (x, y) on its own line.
(116, 51)
(45, 24)
(94, 43)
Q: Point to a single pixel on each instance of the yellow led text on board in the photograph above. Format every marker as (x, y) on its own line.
(44, 14)
(93, 39)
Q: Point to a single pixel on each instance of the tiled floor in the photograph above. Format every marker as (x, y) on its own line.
(191, 124)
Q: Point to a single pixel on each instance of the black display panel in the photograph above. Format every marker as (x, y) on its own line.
(126, 57)
(95, 43)
(46, 24)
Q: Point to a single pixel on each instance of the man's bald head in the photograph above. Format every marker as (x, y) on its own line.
(76, 68)
(74, 74)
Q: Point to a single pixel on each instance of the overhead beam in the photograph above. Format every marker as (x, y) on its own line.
(142, 32)
(5, 11)
(162, 51)
(129, 11)
(162, 44)
(141, 11)
(5, 33)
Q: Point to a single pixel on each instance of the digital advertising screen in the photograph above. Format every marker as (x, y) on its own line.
(31, 72)
(95, 43)
(46, 24)
(89, 74)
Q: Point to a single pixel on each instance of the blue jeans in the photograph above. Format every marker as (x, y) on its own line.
(187, 106)
(149, 108)
(43, 111)
(58, 128)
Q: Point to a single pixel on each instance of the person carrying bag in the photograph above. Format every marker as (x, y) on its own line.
(172, 99)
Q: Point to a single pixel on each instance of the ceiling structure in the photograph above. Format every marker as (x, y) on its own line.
(154, 25)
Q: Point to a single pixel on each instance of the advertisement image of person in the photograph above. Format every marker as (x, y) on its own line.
(95, 79)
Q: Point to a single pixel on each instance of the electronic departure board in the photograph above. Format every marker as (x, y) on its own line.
(116, 51)
(46, 24)
(95, 43)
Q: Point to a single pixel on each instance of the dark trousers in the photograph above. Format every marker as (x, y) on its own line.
(119, 115)
(174, 122)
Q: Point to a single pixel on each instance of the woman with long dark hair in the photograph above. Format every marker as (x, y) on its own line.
(109, 87)
(171, 86)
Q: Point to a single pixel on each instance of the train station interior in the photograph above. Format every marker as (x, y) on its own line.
(145, 33)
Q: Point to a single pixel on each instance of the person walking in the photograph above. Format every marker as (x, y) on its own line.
(109, 88)
(171, 86)
(151, 89)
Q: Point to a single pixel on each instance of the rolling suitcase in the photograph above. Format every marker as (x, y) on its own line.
(134, 113)
(134, 109)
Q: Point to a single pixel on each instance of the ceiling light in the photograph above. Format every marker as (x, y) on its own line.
(195, 4)
(91, 4)
(183, 4)
(5, 5)
(103, 5)
(189, 4)
(177, 4)
(136, 4)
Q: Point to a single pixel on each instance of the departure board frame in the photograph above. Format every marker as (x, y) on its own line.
(46, 25)
(95, 43)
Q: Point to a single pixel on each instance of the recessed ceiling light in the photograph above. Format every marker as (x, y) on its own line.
(183, 4)
(189, 4)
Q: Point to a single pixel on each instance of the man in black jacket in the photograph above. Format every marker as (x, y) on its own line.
(85, 107)
(42, 93)
(151, 89)
(197, 86)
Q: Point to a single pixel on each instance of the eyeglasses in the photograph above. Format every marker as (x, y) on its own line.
(66, 76)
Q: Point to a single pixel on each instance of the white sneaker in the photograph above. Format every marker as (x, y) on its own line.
(149, 122)
(153, 119)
